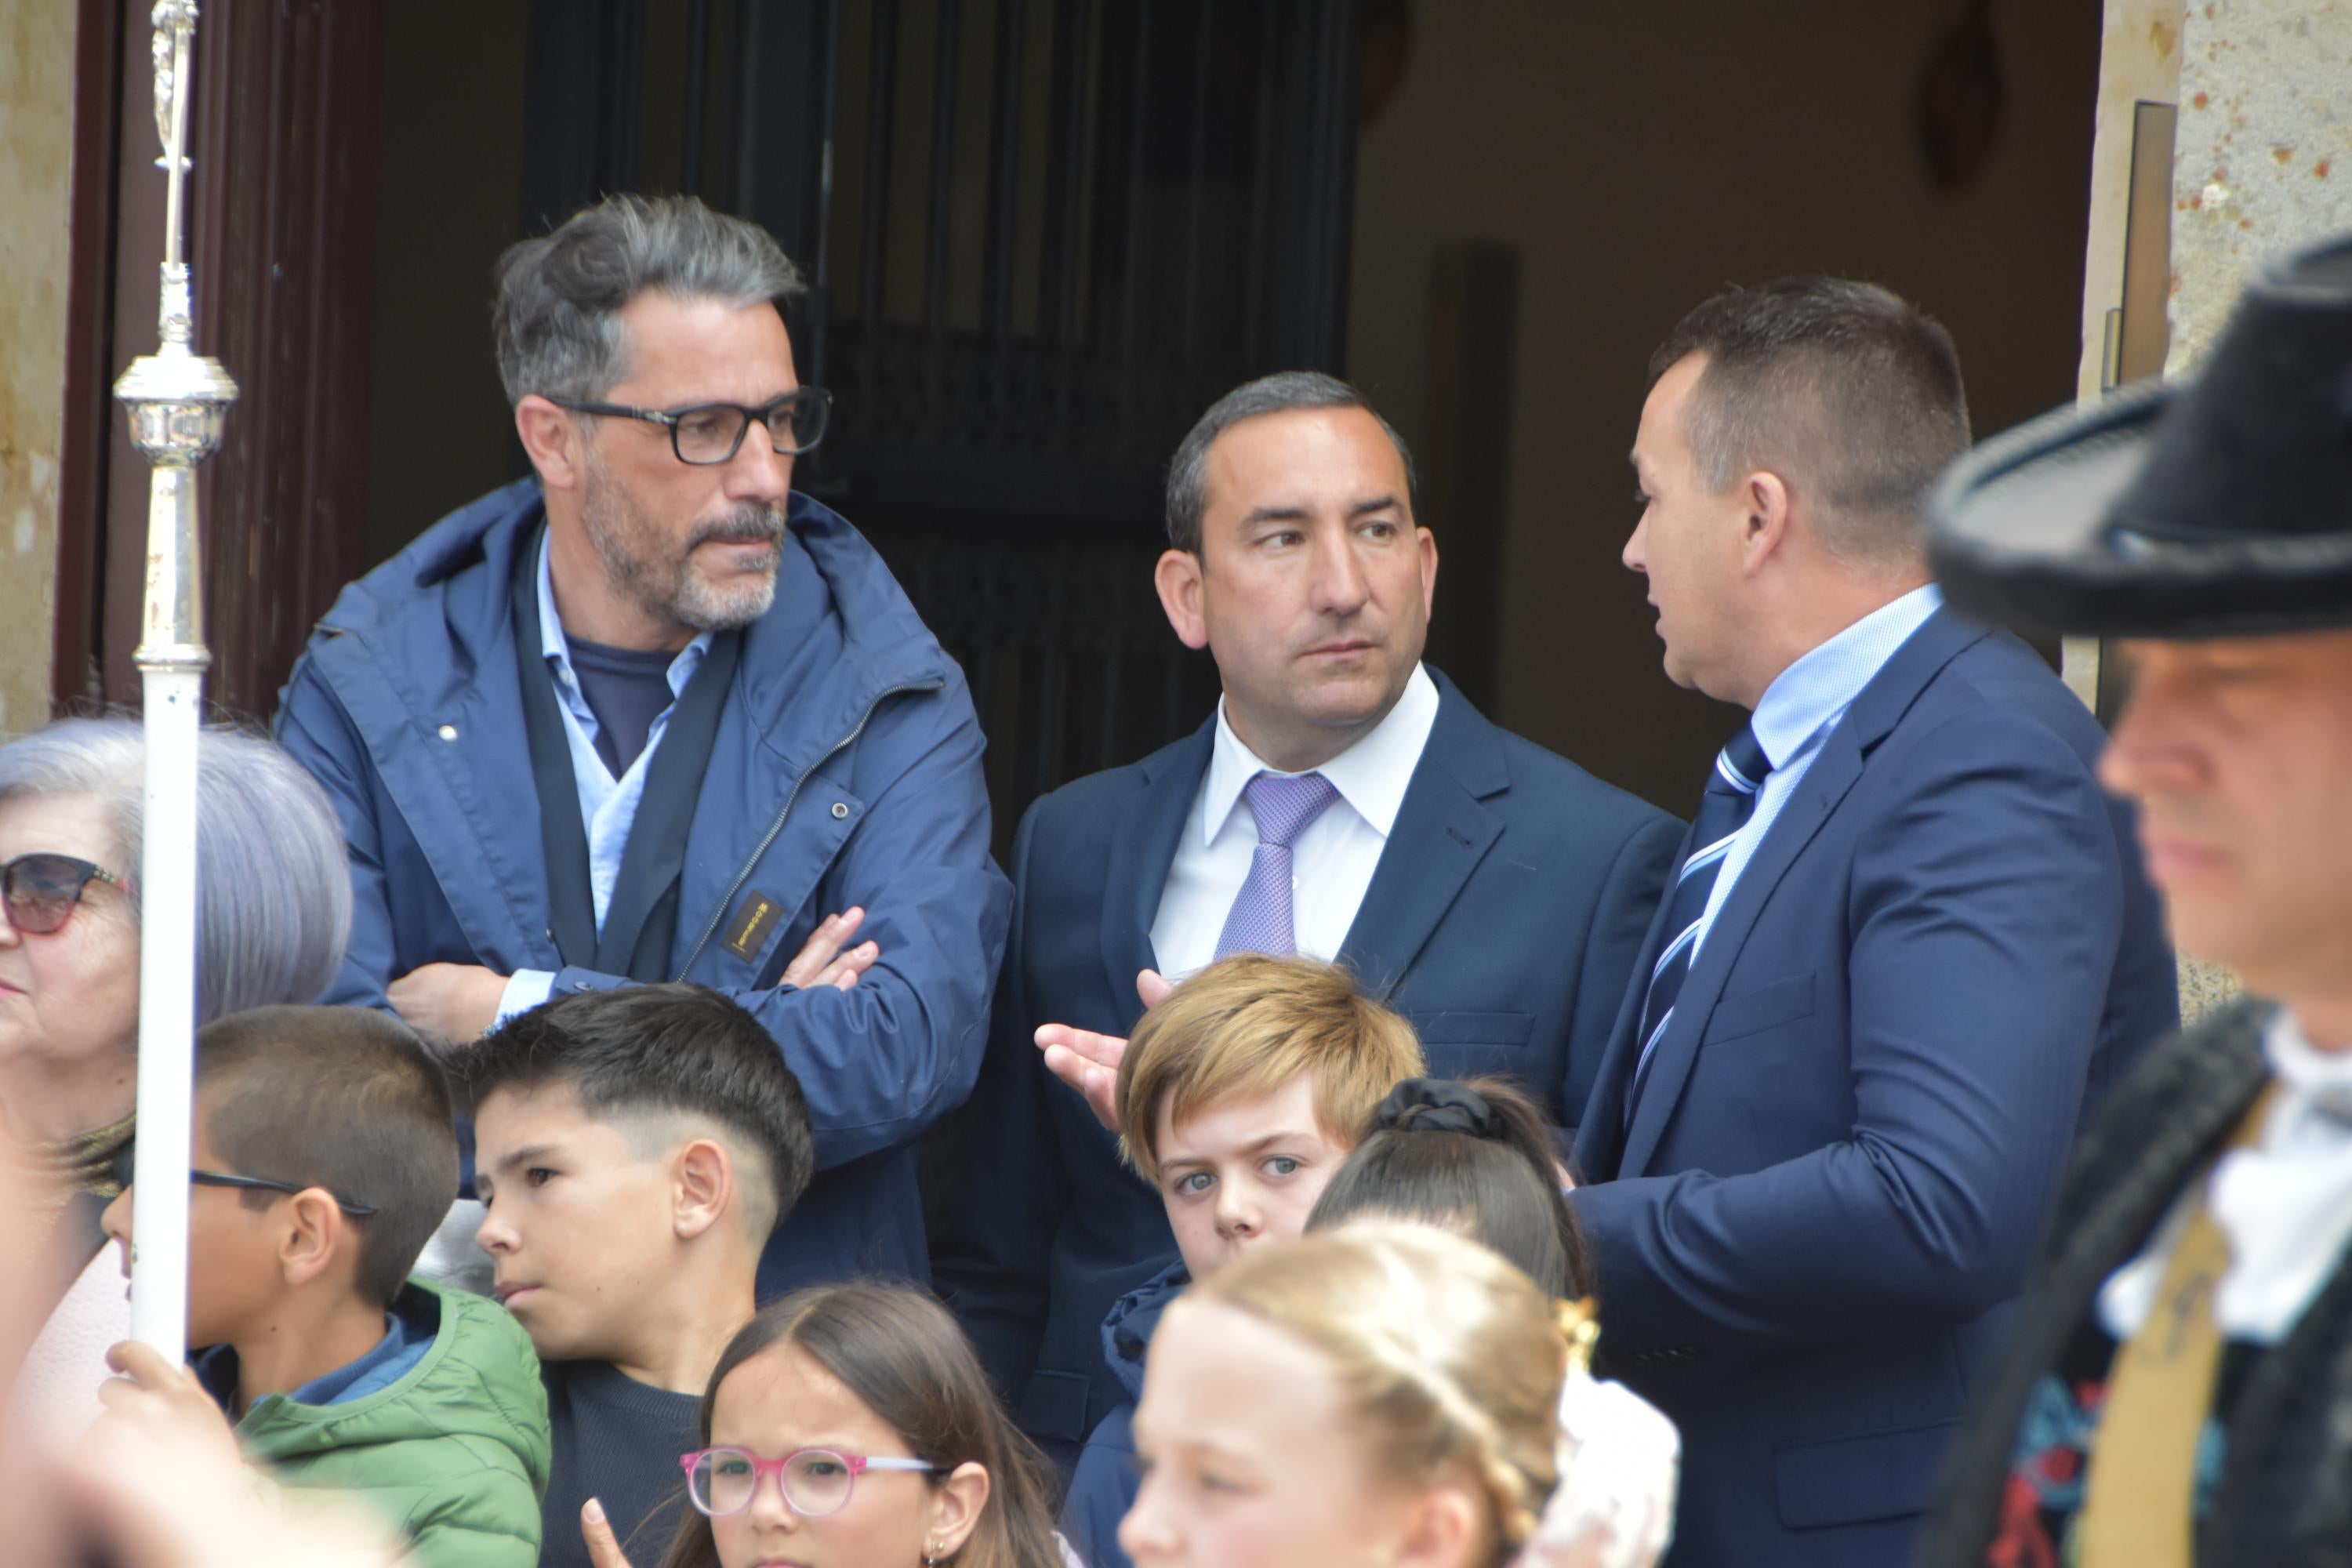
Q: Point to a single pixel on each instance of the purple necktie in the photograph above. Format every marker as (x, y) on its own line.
(1283, 805)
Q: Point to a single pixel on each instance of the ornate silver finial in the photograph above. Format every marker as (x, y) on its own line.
(176, 22)
(176, 398)
(175, 29)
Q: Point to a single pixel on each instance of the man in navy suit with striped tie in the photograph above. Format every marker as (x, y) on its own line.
(1909, 946)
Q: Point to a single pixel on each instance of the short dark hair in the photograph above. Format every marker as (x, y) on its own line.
(1855, 392)
(1188, 471)
(673, 1048)
(1499, 1188)
(347, 1098)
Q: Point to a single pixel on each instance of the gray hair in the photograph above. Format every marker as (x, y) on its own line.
(1840, 385)
(557, 321)
(1188, 471)
(273, 878)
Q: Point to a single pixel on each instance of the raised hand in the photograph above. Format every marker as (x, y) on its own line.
(1089, 1062)
(603, 1547)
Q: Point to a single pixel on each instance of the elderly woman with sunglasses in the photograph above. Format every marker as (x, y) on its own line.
(273, 911)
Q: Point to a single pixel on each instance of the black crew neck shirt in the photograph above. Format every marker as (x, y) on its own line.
(616, 1440)
(626, 688)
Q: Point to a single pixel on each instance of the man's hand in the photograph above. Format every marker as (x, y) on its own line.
(1089, 1062)
(450, 1004)
(822, 961)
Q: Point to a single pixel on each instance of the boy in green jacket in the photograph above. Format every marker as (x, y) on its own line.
(323, 1159)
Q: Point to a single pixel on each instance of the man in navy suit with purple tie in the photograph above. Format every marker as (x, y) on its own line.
(1908, 947)
(1346, 802)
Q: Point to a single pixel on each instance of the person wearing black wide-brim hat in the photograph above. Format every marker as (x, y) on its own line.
(2181, 1391)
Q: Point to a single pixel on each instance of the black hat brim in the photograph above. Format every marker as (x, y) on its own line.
(2019, 534)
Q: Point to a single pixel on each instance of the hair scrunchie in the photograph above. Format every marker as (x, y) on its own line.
(1436, 1105)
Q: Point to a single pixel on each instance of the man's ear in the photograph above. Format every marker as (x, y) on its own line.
(553, 441)
(1764, 523)
(1427, 542)
(956, 1506)
(1443, 1527)
(1178, 578)
(316, 1234)
(703, 1174)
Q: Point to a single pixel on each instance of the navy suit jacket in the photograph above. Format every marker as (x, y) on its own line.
(1940, 957)
(1502, 920)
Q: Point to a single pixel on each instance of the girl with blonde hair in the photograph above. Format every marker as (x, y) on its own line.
(1389, 1394)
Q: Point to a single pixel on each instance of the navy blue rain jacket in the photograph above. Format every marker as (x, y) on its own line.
(846, 770)
(1103, 1487)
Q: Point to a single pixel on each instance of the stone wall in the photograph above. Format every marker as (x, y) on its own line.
(36, 77)
(2263, 159)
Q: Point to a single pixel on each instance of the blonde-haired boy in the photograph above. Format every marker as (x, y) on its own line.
(1239, 1095)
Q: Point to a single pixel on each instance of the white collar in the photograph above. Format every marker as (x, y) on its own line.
(1372, 776)
(2314, 1085)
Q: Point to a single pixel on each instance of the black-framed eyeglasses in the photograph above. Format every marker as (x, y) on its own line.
(40, 890)
(264, 1184)
(711, 433)
(125, 1165)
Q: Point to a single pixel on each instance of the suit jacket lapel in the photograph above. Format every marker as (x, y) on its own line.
(1141, 850)
(1601, 1136)
(1440, 835)
(1873, 713)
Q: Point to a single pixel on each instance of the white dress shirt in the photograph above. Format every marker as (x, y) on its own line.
(2284, 1202)
(1332, 862)
(1798, 711)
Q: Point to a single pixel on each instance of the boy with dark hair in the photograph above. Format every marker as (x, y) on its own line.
(635, 1149)
(323, 1157)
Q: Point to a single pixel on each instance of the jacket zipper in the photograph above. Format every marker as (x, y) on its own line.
(777, 827)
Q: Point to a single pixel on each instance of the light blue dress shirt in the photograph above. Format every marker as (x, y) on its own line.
(1798, 711)
(608, 807)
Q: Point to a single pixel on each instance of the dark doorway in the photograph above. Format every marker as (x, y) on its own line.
(1042, 236)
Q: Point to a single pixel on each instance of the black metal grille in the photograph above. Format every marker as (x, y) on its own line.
(1042, 236)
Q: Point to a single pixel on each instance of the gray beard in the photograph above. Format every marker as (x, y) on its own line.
(630, 545)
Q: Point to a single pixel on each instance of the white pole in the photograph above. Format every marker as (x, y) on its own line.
(176, 401)
(167, 1007)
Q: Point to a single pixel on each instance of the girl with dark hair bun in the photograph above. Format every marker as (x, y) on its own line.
(852, 1425)
(1471, 1155)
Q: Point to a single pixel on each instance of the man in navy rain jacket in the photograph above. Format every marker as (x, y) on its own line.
(650, 715)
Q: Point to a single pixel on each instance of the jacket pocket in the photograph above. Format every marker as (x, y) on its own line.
(1859, 1478)
(1053, 1407)
(1764, 1007)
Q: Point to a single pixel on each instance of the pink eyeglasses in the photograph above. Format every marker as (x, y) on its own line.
(814, 1481)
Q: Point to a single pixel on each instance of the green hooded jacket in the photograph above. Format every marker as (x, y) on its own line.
(454, 1454)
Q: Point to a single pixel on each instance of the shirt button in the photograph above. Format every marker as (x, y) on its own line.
(840, 810)
(449, 731)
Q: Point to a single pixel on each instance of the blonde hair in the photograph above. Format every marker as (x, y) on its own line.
(1449, 1358)
(1245, 1027)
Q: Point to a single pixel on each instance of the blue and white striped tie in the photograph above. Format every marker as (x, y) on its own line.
(1730, 800)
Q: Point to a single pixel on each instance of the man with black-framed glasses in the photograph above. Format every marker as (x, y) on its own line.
(650, 715)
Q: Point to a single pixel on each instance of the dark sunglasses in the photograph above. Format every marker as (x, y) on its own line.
(41, 890)
(125, 1162)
